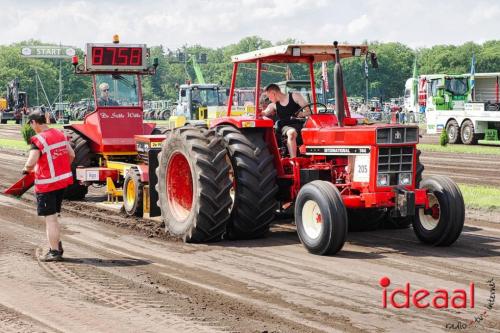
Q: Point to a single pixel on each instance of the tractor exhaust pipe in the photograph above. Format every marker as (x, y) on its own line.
(338, 81)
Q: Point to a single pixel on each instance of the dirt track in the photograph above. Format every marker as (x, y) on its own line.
(119, 276)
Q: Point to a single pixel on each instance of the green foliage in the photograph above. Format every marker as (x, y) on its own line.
(443, 138)
(395, 66)
(480, 196)
(27, 132)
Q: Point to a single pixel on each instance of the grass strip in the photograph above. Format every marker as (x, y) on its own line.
(460, 149)
(13, 144)
(479, 196)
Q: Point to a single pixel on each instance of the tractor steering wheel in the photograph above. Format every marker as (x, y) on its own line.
(296, 114)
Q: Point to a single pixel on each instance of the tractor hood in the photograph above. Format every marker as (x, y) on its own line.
(322, 130)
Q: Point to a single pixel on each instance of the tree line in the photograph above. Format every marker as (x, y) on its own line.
(396, 62)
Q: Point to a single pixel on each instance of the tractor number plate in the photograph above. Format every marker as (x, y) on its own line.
(248, 124)
(361, 168)
(91, 175)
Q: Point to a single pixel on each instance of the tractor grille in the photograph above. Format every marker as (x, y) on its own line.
(395, 160)
(397, 135)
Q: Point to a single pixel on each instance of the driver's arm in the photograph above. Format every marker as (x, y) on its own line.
(270, 110)
(299, 99)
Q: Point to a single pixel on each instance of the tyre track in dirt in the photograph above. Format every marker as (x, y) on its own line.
(14, 322)
(146, 301)
(83, 292)
(258, 268)
(464, 168)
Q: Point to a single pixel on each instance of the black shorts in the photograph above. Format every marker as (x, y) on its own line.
(286, 128)
(49, 203)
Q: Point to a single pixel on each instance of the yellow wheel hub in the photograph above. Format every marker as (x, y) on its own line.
(131, 193)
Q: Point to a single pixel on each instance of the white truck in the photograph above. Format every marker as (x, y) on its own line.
(468, 115)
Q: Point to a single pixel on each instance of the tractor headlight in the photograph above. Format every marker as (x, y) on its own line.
(383, 179)
(405, 178)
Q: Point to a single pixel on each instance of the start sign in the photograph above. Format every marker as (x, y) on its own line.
(48, 51)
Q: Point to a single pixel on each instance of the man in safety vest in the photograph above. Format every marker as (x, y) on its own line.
(50, 157)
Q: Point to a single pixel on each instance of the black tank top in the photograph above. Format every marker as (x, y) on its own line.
(286, 112)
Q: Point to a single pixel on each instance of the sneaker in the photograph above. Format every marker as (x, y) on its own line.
(52, 255)
(61, 248)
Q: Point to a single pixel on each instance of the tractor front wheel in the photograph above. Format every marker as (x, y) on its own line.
(193, 184)
(321, 218)
(133, 190)
(442, 223)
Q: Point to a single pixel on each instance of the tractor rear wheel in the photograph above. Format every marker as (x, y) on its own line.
(254, 183)
(442, 224)
(133, 191)
(321, 218)
(193, 184)
(83, 158)
(159, 130)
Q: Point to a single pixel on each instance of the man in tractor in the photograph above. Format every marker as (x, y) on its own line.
(50, 157)
(105, 100)
(285, 107)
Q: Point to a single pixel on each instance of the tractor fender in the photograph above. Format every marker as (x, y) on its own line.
(243, 122)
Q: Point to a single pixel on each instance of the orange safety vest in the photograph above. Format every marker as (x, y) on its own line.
(53, 169)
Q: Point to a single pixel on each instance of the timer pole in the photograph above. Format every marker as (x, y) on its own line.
(60, 81)
(60, 85)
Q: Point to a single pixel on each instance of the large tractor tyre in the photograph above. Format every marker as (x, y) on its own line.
(133, 193)
(193, 184)
(405, 222)
(83, 158)
(321, 218)
(159, 131)
(469, 137)
(453, 132)
(254, 183)
(443, 222)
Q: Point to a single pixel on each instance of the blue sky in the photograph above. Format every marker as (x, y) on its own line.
(174, 23)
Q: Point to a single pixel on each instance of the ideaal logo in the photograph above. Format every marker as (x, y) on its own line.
(439, 299)
(423, 298)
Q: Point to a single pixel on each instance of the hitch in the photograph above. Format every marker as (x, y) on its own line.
(404, 202)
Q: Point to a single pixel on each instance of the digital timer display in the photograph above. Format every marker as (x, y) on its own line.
(116, 56)
(107, 57)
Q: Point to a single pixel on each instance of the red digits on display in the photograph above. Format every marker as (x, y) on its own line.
(113, 57)
(117, 56)
(97, 55)
(122, 57)
(135, 57)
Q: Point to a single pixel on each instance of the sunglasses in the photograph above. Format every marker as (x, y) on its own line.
(105, 90)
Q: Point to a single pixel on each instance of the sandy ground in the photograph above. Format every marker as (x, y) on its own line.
(125, 275)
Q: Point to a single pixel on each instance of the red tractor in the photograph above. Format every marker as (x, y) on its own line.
(105, 144)
(229, 180)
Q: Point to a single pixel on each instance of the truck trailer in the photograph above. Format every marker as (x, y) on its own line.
(468, 114)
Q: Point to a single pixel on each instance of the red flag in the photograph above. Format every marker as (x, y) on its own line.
(22, 185)
(324, 74)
